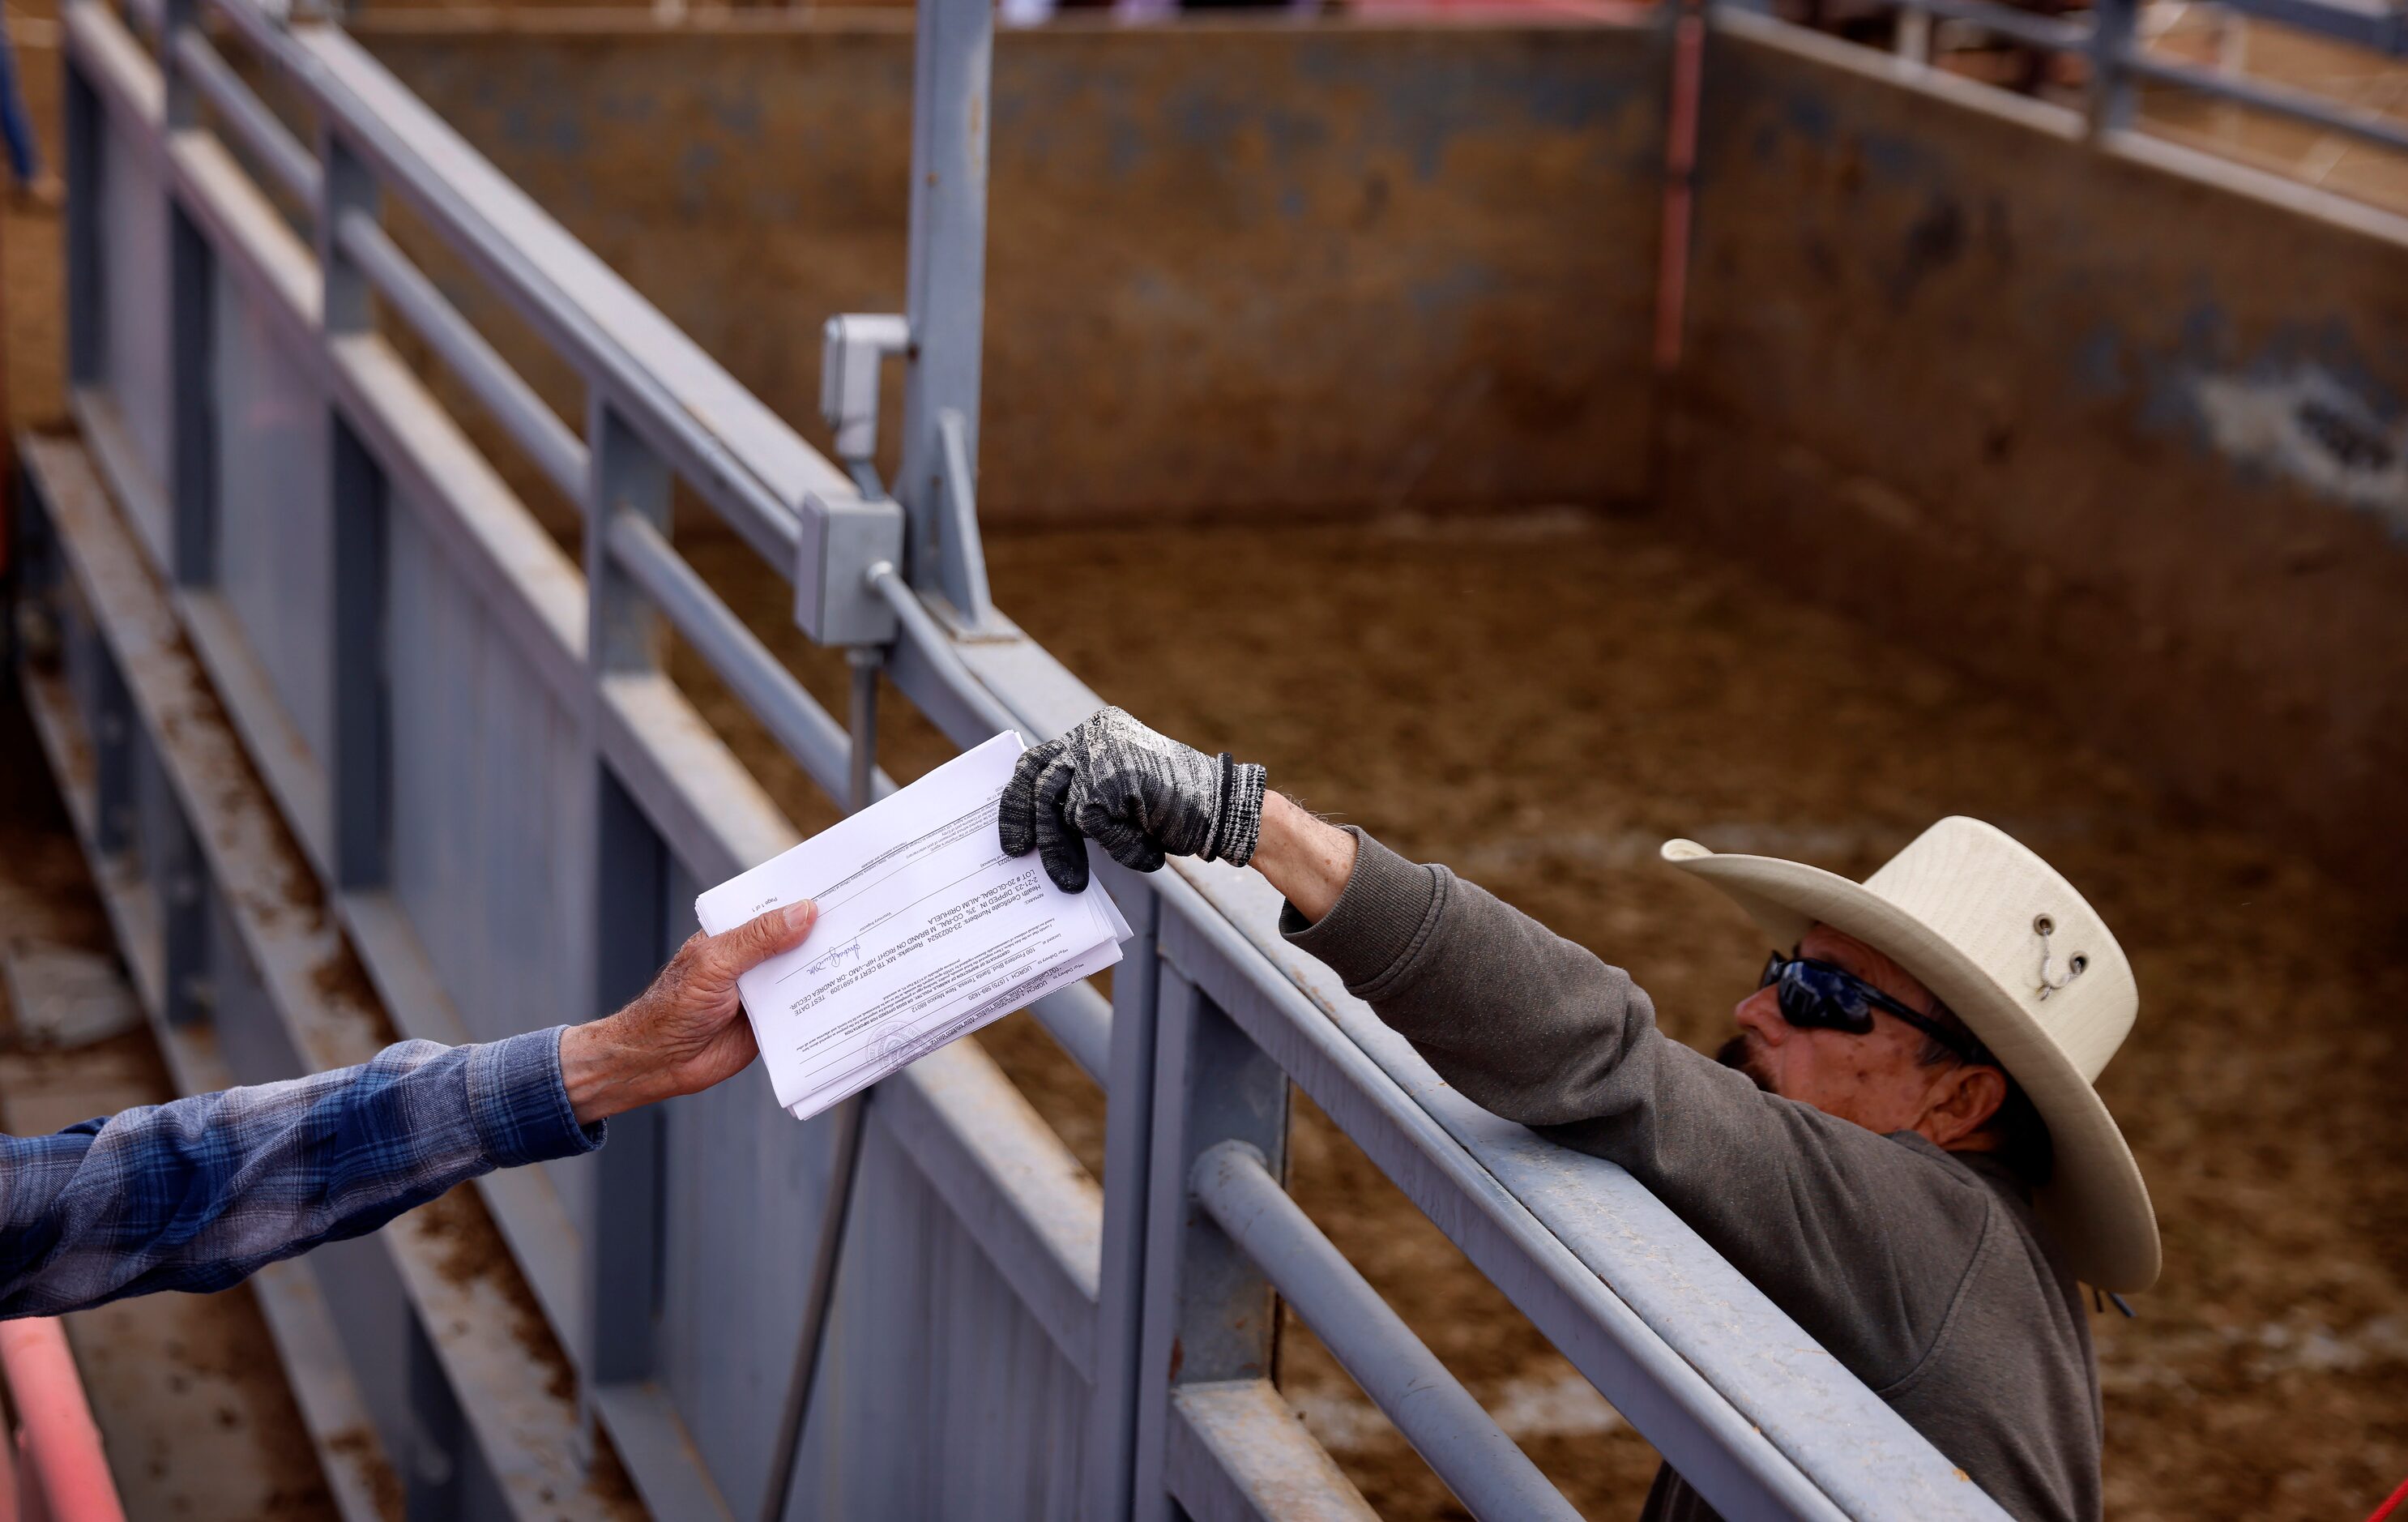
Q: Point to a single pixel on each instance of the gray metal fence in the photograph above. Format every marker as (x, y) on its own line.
(2120, 63)
(507, 807)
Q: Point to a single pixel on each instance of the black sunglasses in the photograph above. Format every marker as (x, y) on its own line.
(1817, 995)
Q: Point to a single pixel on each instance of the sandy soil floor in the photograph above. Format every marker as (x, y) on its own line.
(1538, 703)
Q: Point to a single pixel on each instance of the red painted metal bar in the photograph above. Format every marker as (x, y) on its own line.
(1680, 164)
(62, 1473)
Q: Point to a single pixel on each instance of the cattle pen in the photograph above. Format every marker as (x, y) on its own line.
(422, 598)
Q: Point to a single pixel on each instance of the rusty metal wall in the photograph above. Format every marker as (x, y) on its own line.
(2118, 425)
(1232, 268)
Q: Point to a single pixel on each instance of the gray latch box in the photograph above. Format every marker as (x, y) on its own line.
(843, 536)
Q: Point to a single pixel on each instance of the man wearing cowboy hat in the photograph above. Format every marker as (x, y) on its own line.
(1900, 1145)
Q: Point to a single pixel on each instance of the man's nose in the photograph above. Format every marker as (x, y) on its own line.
(1759, 1013)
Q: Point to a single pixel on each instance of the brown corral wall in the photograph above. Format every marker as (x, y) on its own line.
(2122, 429)
(1249, 267)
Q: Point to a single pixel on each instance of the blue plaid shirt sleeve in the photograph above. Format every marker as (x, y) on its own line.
(202, 1193)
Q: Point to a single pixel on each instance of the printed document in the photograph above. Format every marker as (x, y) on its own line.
(926, 931)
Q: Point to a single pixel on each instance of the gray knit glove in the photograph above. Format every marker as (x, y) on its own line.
(1139, 794)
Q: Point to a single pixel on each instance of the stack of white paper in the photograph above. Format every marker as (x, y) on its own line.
(926, 931)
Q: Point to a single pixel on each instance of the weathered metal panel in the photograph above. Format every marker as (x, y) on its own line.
(485, 824)
(487, 790)
(944, 1397)
(931, 1352)
(133, 295)
(275, 544)
(742, 1184)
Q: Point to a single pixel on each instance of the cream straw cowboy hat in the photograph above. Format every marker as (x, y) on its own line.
(2030, 968)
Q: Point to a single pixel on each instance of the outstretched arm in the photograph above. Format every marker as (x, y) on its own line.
(1824, 1216)
(202, 1193)
(1309, 861)
(1535, 1028)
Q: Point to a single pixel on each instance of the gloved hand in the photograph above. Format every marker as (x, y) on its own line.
(1139, 794)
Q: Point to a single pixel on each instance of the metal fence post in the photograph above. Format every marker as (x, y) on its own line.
(625, 913)
(192, 476)
(2110, 83)
(1210, 1314)
(623, 630)
(946, 286)
(112, 728)
(360, 770)
(183, 880)
(1129, 1134)
(845, 1125)
(191, 472)
(631, 886)
(433, 1475)
(182, 104)
(360, 796)
(349, 186)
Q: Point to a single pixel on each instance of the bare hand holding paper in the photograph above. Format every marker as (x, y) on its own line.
(926, 931)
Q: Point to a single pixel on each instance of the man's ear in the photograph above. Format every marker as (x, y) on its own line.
(1962, 1101)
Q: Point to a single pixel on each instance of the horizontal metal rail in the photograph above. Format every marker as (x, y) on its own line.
(2382, 27)
(1080, 1020)
(2274, 99)
(2136, 62)
(556, 452)
(807, 732)
(294, 166)
(393, 136)
(2018, 25)
(927, 639)
(1463, 1444)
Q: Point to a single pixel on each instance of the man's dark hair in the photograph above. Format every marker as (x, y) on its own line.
(2024, 1142)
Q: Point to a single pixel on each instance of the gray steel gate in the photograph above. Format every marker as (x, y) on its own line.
(292, 598)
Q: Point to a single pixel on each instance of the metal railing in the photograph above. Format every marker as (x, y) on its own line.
(508, 806)
(2120, 60)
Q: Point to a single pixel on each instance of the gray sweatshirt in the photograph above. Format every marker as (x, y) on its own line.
(1919, 1269)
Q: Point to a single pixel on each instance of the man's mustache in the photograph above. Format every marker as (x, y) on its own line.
(1742, 1055)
